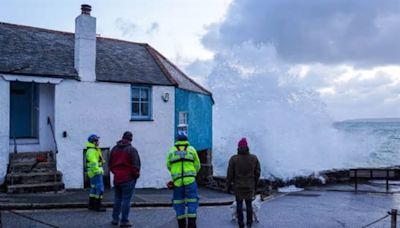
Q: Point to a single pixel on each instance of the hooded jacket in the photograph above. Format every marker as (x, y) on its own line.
(124, 162)
(243, 174)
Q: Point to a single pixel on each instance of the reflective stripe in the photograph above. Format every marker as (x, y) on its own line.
(178, 201)
(92, 164)
(94, 196)
(185, 174)
(194, 200)
(191, 215)
(181, 216)
(179, 177)
(181, 160)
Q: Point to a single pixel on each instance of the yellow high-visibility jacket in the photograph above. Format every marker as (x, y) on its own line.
(183, 163)
(94, 160)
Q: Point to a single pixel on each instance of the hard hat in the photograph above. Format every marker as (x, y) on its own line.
(182, 136)
(93, 137)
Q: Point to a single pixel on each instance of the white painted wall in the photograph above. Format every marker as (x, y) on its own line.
(4, 127)
(46, 108)
(83, 108)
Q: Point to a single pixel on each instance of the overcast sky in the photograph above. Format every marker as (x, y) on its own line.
(348, 50)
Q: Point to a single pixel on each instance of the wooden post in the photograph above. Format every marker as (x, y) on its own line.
(394, 218)
(387, 181)
(355, 179)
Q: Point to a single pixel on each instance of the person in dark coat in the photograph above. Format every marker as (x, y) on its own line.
(242, 177)
(124, 163)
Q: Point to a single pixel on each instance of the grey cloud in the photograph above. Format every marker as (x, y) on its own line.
(126, 27)
(153, 28)
(354, 32)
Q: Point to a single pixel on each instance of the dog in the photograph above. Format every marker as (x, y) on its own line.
(256, 205)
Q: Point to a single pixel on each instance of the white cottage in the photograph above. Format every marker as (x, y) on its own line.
(76, 84)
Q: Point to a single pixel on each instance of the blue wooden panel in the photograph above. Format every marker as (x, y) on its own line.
(199, 109)
(21, 113)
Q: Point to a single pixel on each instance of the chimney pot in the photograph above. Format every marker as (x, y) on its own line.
(86, 9)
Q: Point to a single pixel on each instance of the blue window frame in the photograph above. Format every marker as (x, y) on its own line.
(141, 105)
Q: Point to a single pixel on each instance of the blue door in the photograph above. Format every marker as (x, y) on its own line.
(23, 110)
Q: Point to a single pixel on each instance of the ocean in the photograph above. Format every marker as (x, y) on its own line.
(380, 138)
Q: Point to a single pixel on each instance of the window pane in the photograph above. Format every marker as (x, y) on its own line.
(145, 109)
(135, 94)
(135, 109)
(145, 94)
(183, 118)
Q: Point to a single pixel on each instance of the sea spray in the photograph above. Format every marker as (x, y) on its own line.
(287, 126)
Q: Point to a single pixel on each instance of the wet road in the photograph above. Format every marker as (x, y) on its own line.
(316, 208)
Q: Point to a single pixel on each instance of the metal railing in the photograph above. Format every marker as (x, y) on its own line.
(55, 152)
(15, 144)
(393, 221)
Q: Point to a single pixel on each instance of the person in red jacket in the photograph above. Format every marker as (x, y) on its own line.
(124, 163)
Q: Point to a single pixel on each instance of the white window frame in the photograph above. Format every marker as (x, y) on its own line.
(140, 102)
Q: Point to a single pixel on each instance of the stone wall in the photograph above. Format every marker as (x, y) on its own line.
(266, 186)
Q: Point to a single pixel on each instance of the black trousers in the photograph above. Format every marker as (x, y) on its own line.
(239, 212)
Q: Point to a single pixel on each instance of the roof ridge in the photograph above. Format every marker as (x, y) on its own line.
(67, 33)
(177, 68)
(38, 28)
(151, 50)
(123, 41)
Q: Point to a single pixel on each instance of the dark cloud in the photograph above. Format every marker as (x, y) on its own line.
(314, 31)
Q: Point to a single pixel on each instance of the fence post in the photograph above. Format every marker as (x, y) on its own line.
(394, 218)
(356, 180)
(387, 180)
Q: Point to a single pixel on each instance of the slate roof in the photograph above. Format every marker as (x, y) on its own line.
(183, 81)
(42, 52)
(26, 50)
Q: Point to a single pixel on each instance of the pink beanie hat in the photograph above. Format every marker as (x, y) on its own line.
(242, 143)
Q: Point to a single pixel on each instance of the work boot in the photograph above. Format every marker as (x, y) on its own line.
(98, 206)
(182, 223)
(192, 223)
(91, 203)
(126, 224)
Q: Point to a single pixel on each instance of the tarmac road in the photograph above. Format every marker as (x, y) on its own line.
(315, 208)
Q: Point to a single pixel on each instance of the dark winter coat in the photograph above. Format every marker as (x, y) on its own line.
(243, 174)
(124, 162)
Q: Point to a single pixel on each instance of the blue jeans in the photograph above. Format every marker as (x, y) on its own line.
(185, 196)
(96, 187)
(122, 200)
(239, 212)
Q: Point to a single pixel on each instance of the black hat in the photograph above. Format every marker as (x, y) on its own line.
(127, 135)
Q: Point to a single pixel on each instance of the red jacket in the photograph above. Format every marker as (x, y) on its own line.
(124, 162)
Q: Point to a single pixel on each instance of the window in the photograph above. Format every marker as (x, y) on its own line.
(141, 102)
(183, 118)
(183, 122)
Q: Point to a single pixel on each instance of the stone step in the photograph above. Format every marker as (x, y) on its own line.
(33, 178)
(27, 160)
(33, 188)
(26, 167)
(30, 155)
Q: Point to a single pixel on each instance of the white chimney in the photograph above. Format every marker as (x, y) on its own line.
(85, 45)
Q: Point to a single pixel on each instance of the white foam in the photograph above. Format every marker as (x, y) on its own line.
(290, 188)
